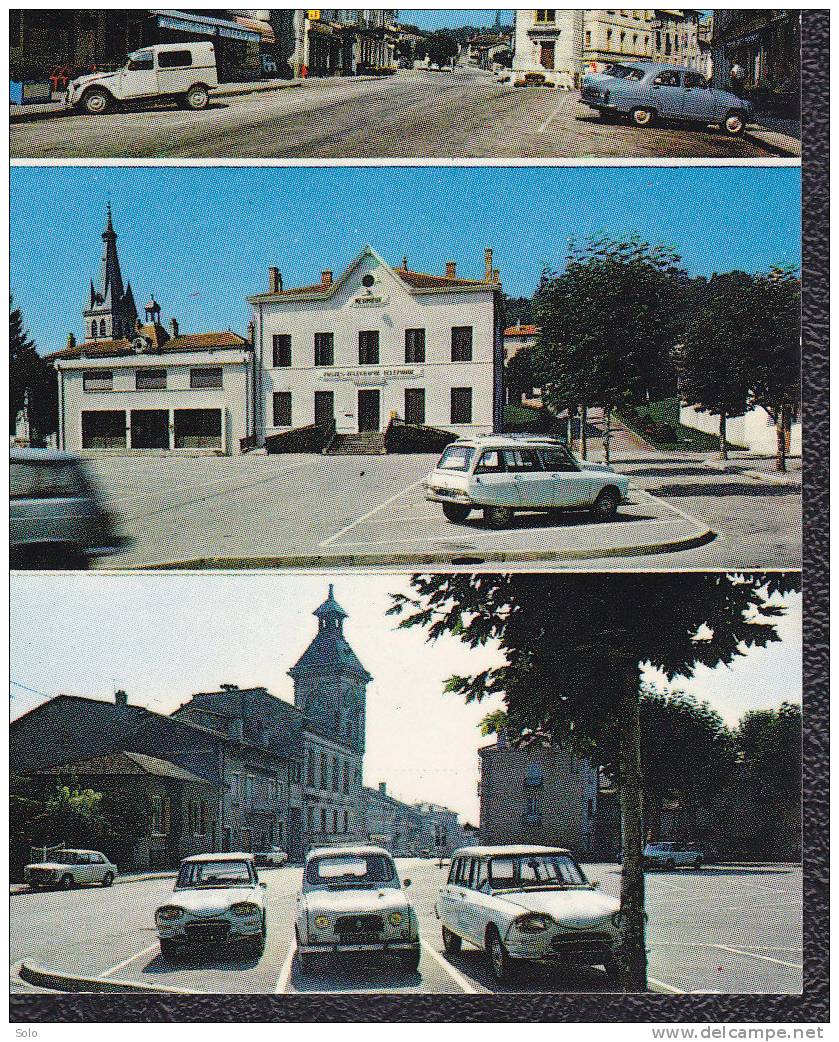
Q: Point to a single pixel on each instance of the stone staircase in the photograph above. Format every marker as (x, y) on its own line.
(367, 443)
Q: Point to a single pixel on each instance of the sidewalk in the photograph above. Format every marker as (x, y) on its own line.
(759, 467)
(128, 877)
(782, 135)
(32, 113)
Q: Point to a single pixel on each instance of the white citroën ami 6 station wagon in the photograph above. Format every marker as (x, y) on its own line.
(503, 473)
(531, 904)
(352, 902)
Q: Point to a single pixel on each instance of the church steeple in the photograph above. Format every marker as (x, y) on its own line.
(111, 312)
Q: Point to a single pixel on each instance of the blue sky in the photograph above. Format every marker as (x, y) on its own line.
(442, 19)
(201, 239)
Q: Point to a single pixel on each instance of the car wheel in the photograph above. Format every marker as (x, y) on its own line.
(734, 124)
(96, 102)
(66, 882)
(168, 948)
(606, 504)
(197, 97)
(455, 512)
(643, 117)
(409, 961)
(499, 961)
(451, 942)
(498, 517)
(108, 879)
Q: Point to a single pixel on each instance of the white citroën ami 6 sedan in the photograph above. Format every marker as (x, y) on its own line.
(531, 904)
(217, 900)
(352, 901)
(502, 473)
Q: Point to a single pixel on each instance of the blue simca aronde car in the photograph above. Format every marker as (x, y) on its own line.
(646, 91)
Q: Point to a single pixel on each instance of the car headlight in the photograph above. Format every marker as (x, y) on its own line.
(395, 918)
(168, 913)
(321, 922)
(245, 908)
(533, 923)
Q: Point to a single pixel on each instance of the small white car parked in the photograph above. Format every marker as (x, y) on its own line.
(218, 900)
(70, 868)
(501, 474)
(273, 857)
(528, 903)
(352, 901)
(182, 72)
(671, 855)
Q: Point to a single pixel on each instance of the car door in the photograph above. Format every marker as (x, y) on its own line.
(98, 868)
(445, 899)
(139, 77)
(468, 907)
(492, 484)
(668, 94)
(531, 487)
(698, 104)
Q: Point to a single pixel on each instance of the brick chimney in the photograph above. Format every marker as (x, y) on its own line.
(275, 281)
(121, 698)
(173, 327)
(496, 275)
(326, 278)
(451, 270)
(71, 341)
(383, 788)
(404, 263)
(487, 265)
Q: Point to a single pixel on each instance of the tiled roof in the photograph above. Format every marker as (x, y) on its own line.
(414, 279)
(128, 763)
(329, 651)
(522, 331)
(224, 340)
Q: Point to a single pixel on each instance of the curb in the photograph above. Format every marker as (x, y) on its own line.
(777, 150)
(726, 467)
(471, 559)
(40, 977)
(26, 889)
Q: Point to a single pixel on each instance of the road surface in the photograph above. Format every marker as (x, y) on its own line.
(721, 929)
(414, 114)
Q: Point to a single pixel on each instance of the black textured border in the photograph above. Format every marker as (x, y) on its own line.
(813, 1005)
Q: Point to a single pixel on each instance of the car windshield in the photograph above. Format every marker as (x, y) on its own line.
(624, 72)
(351, 870)
(456, 457)
(533, 872)
(45, 480)
(214, 874)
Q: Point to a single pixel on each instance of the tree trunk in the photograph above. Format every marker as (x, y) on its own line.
(781, 425)
(583, 433)
(723, 436)
(632, 873)
(607, 434)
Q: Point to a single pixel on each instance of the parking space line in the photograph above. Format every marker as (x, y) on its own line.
(125, 962)
(455, 975)
(669, 506)
(552, 116)
(664, 987)
(754, 955)
(285, 973)
(371, 513)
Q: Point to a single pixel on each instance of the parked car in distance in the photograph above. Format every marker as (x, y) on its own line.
(648, 91)
(671, 855)
(273, 856)
(352, 901)
(502, 473)
(528, 904)
(56, 515)
(181, 72)
(69, 868)
(218, 900)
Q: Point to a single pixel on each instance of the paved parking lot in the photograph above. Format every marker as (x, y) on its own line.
(722, 929)
(309, 511)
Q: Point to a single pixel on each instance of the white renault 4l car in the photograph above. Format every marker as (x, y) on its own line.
(69, 868)
(501, 474)
(352, 901)
(218, 900)
(528, 903)
(182, 72)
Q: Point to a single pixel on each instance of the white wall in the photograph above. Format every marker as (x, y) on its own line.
(399, 310)
(755, 431)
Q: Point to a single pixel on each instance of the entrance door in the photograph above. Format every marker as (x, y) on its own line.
(546, 55)
(324, 407)
(103, 430)
(198, 429)
(149, 428)
(368, 410)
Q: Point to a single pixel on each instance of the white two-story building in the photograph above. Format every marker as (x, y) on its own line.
(379, 342)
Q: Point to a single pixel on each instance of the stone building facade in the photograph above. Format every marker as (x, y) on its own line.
(540, 795)
(766, 45)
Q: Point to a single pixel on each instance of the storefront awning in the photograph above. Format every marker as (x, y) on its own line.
(266, 33)
(187, 22)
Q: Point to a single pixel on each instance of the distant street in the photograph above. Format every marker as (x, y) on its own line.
(453, 114)
(722, 929)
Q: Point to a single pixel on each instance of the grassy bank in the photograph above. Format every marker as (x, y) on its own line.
(658, 423)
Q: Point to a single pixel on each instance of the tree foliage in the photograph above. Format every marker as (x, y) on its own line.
(30, 377)
(769, 741)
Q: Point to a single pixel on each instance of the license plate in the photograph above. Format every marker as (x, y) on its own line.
(360, 938)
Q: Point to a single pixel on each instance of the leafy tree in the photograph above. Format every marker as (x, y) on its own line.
(769, 741)
(31, 379)
(776, 356)
(573, 649)
(441, 47)
(609, 322)
(715, 360)
(519, 372)
(518, 309)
